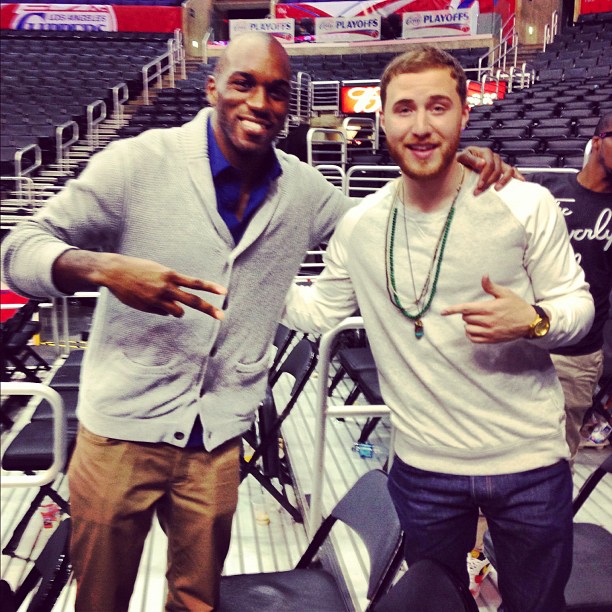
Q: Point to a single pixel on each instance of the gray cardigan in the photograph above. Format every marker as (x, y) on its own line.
(145, 377)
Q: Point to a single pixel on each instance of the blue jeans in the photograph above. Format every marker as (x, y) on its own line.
(529, 515)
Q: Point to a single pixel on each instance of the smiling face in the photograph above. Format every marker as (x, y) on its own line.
(423, 116)
(250, 93)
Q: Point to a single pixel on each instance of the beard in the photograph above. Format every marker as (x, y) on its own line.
(427, 169)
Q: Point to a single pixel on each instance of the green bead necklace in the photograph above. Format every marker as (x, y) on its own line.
(422, 301)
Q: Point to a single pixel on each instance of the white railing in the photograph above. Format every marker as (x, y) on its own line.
(322, 150)
(93, 122)
(25, 187)
(36, 163)
(164, 63)
(334, 175)
(121, 95)
(59, 435)
(62, 147)
(324, 411)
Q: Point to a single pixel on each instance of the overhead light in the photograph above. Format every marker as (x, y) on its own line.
(530, 30)
(194, 43)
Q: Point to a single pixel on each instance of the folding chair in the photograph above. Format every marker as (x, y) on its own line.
(50, 572)
(589, 586)
(427, 586)
(16, 334)
(367, 509)
(282, 340)
(264, 435)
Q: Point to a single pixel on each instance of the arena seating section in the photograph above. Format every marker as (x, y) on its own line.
(50, 77)
(549, 123)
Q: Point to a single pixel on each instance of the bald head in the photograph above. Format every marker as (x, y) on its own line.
(257, 45)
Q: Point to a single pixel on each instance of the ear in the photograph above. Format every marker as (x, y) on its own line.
(211, 90)
(382, 119)
(465, 115)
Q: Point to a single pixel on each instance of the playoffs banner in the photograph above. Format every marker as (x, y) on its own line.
(423, 24)
(350, 29)
(90, 17)
(298, 9)
(283, 29)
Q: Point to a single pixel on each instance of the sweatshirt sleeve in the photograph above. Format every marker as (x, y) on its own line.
(557, 279)
(86, 214)
(316, 308)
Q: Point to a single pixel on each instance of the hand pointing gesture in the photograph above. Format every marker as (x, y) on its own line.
(506, 317)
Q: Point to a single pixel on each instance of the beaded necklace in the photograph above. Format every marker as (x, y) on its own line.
(422, 302)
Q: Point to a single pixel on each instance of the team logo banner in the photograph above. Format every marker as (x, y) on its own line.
(76, 17)
(283, 29)
(90, 17)
(347, 29)
(424, 24)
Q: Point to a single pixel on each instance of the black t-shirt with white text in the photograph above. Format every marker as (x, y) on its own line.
(589, 222)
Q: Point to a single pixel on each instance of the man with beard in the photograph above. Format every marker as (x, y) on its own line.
(462, 298)
(587, 210)
(164, 399)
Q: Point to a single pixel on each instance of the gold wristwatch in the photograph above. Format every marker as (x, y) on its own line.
(541, 324)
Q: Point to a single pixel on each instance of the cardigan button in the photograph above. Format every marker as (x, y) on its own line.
(179, 435)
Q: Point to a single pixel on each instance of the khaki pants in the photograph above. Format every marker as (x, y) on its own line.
(115, 488)
(579, 375)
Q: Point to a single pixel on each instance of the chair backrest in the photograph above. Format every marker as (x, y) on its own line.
(300, 363)
(427, 586)
(367, 508)
(591, 482)
(51, 568)
(18, 321)
(281, 341)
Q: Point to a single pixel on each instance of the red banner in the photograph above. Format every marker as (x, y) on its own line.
(90, 17)
(595, 6)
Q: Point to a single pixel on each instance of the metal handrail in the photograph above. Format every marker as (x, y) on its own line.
(23, 193)
(334, 175)
(59, 435)
(121, 94)
(93, 123)
(61, 147)
(324, 411)
(19, 169)
(179, 52)
(503, 44)
(160, 70)
(310, 139)
(205, 46)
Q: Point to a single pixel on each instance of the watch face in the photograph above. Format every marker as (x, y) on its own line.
(541, 328)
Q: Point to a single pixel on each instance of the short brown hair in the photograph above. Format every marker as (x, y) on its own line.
(419, 59)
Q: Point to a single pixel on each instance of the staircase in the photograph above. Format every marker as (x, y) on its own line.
(527, 53)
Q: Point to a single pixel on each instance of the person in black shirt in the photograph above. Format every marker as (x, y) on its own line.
(588, 215)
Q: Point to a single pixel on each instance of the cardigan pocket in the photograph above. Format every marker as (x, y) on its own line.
(255, 366)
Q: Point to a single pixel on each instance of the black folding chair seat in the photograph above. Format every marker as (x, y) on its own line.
(368, 510)
(427, 586)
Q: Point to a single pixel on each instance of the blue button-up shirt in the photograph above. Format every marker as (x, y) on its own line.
(227, 180)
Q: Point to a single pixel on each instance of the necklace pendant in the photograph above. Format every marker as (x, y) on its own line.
(419, 331)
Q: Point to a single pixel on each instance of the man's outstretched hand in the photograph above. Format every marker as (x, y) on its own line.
(505, 317)
(139, 283)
